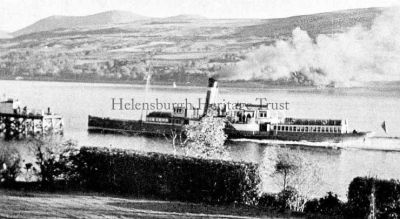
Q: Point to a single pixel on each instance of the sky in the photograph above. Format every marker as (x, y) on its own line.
(16, 14)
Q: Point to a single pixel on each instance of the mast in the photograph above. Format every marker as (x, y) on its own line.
(149, 73)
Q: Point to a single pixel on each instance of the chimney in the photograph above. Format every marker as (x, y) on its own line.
(211, 94)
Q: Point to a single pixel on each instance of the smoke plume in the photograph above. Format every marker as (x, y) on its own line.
(354, 57)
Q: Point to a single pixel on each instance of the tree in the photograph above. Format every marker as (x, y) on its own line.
(125, 72)
(206, 139)
(176, 138)
(286, 165)
(54, 159)
(307, 182)
(298, 178)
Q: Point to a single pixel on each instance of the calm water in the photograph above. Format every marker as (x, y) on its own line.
(364, 108)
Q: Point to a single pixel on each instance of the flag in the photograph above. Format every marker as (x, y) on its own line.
(384, 126)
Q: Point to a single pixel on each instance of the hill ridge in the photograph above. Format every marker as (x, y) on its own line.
(61, 21)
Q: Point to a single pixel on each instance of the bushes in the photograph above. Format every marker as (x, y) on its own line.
(270, 201)
(281, 201)
(327, 205)
(55, 160)
(387, 197)
(164, 176)
(387, 200)
(10, 164)
(331, 205)
(167, 176)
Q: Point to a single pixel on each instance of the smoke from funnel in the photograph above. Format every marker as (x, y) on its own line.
(359, 55)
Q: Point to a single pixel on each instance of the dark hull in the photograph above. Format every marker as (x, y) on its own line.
(134, 127)
(131, 127)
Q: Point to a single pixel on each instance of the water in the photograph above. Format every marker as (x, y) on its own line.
(365, 108)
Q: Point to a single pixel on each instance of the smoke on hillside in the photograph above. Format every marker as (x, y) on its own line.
(356, 56)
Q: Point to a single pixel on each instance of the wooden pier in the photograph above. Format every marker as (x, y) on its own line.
(17, 124)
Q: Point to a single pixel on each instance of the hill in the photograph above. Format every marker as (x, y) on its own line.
(96, 20)
(116, 46)
(314, 24)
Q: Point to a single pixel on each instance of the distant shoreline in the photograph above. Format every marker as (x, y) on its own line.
(224, 83)
(230, 84)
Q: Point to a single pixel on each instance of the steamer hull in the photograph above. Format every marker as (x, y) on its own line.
(296, 136)
(130, 127)
(135, 127)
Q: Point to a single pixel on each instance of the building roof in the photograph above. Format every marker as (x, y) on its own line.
(160, 114)
(7, 101)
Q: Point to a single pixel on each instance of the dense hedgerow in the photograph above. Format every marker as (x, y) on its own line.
(167, 176)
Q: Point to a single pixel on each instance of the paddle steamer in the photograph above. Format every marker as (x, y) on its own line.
(250, 121)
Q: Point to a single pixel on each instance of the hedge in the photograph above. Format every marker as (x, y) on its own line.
(165, 176)
(387, 197)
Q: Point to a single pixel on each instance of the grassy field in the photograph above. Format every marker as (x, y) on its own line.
(19, 204)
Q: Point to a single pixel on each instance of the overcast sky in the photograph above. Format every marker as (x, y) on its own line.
(16, 14)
